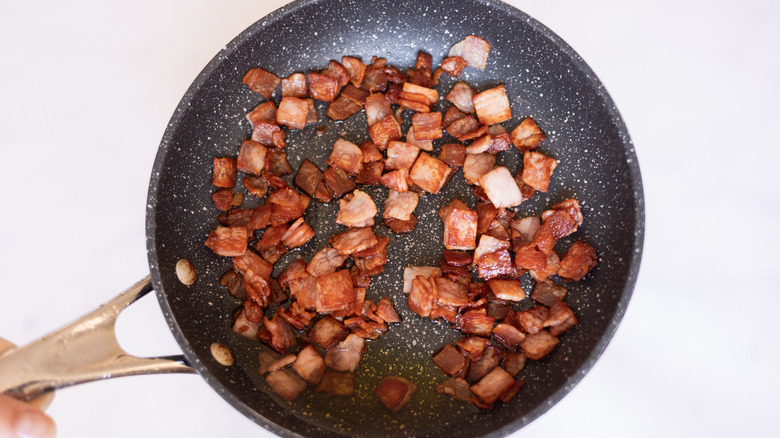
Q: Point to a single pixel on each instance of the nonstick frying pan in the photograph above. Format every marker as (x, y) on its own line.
(545, 79)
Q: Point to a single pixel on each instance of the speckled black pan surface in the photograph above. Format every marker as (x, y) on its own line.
(545, 79)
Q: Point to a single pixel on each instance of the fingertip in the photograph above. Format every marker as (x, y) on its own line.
(35, 424)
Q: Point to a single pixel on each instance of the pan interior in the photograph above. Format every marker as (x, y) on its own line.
(545, 80)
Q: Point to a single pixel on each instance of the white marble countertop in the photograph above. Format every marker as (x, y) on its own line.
(698, 84)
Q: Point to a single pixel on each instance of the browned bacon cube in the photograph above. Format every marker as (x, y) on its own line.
(427, 126)
(228, 241)
(401, 155)
(295, 86)
(473, 49)
(460, 229)
(224, 172)
(334, 291)
(538, 169)
(500, 187)
(400, 205)
(261, 81)
(495, 383)
(540, 344)
(356, 210)
(355, 240)
(346, 155)
(355, 68)
(292, 112)
(578, 261)
(384, 131)
(492, 106)
(429, 174)
(527, 135)
(461, 96)
(323, 87)
(251, 157)
(395, 392)
(453, 65)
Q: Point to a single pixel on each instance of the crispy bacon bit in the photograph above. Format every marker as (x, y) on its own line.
(397, 180)
(510, 393)
(228, 241)
(422, 296)
(401, 226)
(400, 205)
(411, 272)
(356, 210)
(560, 319)
(295, 86)
(270, 244)
(510, 290)
(537, 170)
(374, 78)
(461, 96)
(334, 291)
(492, 106)
(251, 261)
(268, 134)
(292, 112)
(342, 108)
(278, 334)
(395, 392)
(527, 135)
(473, 49)
(429, 173)
(323, 87)
(243, 326)
(370, 152)
(309, 176)
(386, 311)
(473, 346)
(540, 344)
(346, 355)
(222, 199)
(298, 234)
(475, 166)
(276, 162)
(384, 131)
(452, 115)
(355, 68)
(578, 261)
(338, 181)
(571, 206)
(346, 155)
(286, 205)
(525, 228)
(323, 193)
(548, 293)
(416, 93)
(337, 383)
(460, 229)
(453, 154)
(451, 361)
(492, 258)
(251, 157)
(560, 222)
(401, 155)
(531, 321)
(352, 241)
(286, 383)
(499, 143)
(508, 335)
(261, 81)
(371, 173)
(355, 95)
(495, 383)
(475, 322)
(500, 187)
(451, 293)
(550, 269)
(456, 387)
(427, 126)
(296, 314)
(325, 261)
(327, 332)
(338, 72)
(224, 173)
(453, 65)
(265, 112)
(480, 145)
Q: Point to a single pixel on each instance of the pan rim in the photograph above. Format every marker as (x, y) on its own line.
(279, 14)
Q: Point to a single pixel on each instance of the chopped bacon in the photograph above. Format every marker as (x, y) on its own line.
(422, 296)
(265, 112)
(251, 157)
(401, 226)
(325, 261)
(337, 383)
(256, 185)
(298, 234)
(278, 334)
(243, 326)
(452, 115)
(377, 108)
(309, 365)
(343, 107)
(370, 152)
(456, 387)
(274, 181)
(309, 176)
(251, 261)
(550, 269)
(286, 383)
(286, 205)
(270, 244)
(461, 96)
(540, 344)
(490, 359)
(458, 258)
(323, 193)
(453, 154)
(334, 291)
(411, 272)
(486, 213)
(295, 86)
(492, 106)
(397, 180)
(451, 293)
(510, 290)
(223, 199)
(293, 112)
(527, 135)
(578, 261)
(355, 95)
(338, 72)
(224, 172)
(514, 363)
(495, 383)
(537, 170)
(346, 155)
(447, 209)
(276, 162)
(460, 229)
(261, 81)
(427, 126)
(395, 392)
(499, 143)
(401, 155)
(451, 361)
(346, 354)
(466, 128)
(531, 321)
(356, 210)
(386, 311)
(492, 258)
(323, 87)
(477, 165)
(237, 217)
(355, 240)
(480, 145)
(400, 205)
(560, 222)
(384, 131)
(508, 335)
(473, 346)
(429, 173)
(265, 358)
(268, 134)
(416, 93)
(548, 293)
(371, 173)
(500, 187)
(525, 228)
(453, 65)
(338, 181)
(228, 241)
(296, 314)
(374, 77)
(476, 322)
(282, 362)
(355, 68)
(327, 332)
(571, 206)
(303, 289)
(560, 319)
(473, 49)
(426, 145)
(312, 115)
(510, 393)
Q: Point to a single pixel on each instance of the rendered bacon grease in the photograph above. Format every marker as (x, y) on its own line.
(314, 316)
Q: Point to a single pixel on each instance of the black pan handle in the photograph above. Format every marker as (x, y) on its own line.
(82, 351)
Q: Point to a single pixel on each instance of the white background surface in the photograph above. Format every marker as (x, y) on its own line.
(87, 88)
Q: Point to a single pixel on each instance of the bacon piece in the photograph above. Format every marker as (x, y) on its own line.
(475, 166)
(537, 170)
(356, 210)
(458, 258)
(475, 322)
(261, 81)
(473, 347)
(374, 78)
(453, 154)
(578, 261)
(514, 363)
(295, 86)
(334, 291)
(411, 91)
(571, 206)
(551, 268)
(451, 361)
(487, 245)
(293, 112)
(500, 188)
(286, 205)
(531, 321)
(560, 319)
(540, 344)
(495, 383)
(325, 261)
(456, 387)
(400, 205)
(386, 311)
(355, 95)
(286, 383)
(276, 163)
(342, 108)
(256, 185)
(311, 117)
(560, 222)
(411, 272)
(429, 174)
(548, 293)
(346, 354)
(323, 87)
(327, 332)
(355, 240)
(223, 199)
(486, 213)
(296, 314)
(490, 359)
(298, 234)
(525, 228)
(323, 193)
(510, 393)
(338, 72)
(228, 241)
(447, 209)
(377, 108)
(451, 293)
(265, 112)
(397, 180)
(384, 131)
(371, 173)
(278, 334)
(346, 155)
(510, 290)
(268, 134)
(282, 362)
(508, 335)
(309, 365)
(401, 155)
(395, 392)
(499, 143)
(461, 96)
(466, 128)
(401, 226)
(460, 229)
(270, 244)
(338, 181)
(224, 172)
(251, 157)
(452, 115)
(370, 152)
(337, 383)
(251, 261)
(453, 65)
(355, 68)
(303, 289)
(527, 135)
(473, 49)
(422, 296)
(309, 176)
(427, 126)
(492, 106)
(480, 145)
(265, 358)
(244, 326)
(426, 145)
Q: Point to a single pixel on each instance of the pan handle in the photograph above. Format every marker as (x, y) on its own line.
(82, 351)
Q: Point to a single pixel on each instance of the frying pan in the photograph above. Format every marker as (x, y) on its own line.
(544, 78)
